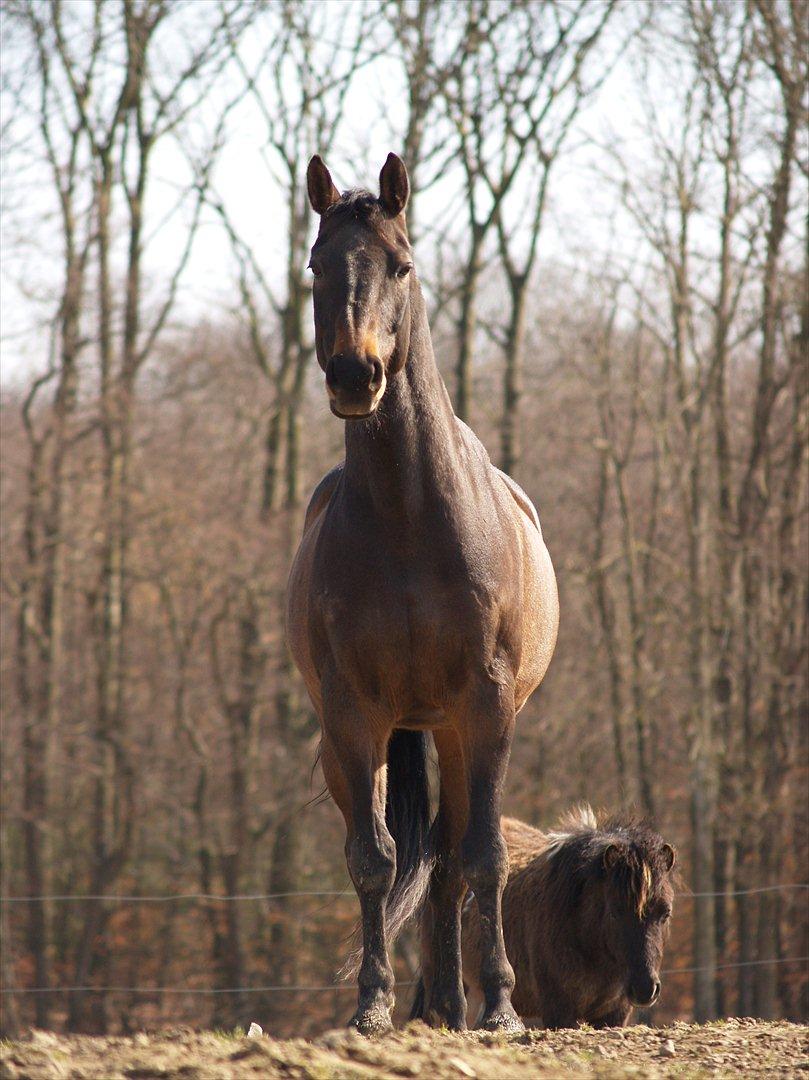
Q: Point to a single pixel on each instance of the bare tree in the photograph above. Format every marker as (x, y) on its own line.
(555, 75)
(113, 135)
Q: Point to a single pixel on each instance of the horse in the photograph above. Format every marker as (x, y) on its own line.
(586, 914)
(421, 599)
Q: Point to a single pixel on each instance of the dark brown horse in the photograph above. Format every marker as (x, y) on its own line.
(586, 912)
(421, 599)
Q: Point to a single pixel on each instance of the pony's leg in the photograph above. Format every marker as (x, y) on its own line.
(444, 992)
(617, 1017)
(353, 764)
(488, 733)
(474, 1006)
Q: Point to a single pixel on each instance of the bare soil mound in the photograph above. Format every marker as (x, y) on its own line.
(728, 1048)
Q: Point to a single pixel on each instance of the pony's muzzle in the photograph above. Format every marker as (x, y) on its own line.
(355, 384)
(644, 993)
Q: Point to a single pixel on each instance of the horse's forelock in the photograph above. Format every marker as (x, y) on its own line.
(357, 201)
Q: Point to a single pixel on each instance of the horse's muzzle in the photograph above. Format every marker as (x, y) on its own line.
(355, 385)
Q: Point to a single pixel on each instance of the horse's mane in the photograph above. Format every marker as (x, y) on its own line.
(576, 848)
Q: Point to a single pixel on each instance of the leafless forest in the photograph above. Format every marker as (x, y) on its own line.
(620, 313)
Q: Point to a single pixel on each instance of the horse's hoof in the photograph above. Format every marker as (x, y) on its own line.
(375, 1021)
(503, 1019)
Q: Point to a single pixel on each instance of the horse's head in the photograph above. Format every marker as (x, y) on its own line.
(361, 263)
(637, 894)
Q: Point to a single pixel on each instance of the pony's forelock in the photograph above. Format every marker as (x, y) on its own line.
(581, 840)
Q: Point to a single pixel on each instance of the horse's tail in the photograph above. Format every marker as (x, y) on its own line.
(407, 815)
(417, 1008)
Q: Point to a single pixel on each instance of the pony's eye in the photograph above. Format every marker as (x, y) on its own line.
(403, 270)
(315, 270)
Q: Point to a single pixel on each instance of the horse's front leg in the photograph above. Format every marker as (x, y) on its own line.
(489, 726)
(354, 767)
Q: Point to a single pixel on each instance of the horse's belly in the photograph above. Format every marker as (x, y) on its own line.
(299, 613)
(540, 615)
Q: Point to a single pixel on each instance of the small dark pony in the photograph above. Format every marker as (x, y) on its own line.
(586, 911)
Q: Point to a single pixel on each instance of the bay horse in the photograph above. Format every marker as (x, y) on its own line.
(421, 599)
(586, 913)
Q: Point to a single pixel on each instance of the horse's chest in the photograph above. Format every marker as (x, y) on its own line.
(409, 621)
(409, 606)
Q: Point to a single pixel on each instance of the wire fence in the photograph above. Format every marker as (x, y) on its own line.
(176, 896)
(136, 898)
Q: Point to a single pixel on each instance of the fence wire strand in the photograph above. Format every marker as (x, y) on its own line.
(323, 989)
(168, 897)
(329, 987)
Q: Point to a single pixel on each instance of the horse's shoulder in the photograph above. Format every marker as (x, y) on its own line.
(476, 447)
(520, 498)
(321, 495)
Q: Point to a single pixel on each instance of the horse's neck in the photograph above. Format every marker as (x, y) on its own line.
(408, 449)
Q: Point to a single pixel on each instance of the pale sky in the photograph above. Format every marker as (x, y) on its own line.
(580, 227)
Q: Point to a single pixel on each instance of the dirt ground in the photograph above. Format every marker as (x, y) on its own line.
(737, 1048)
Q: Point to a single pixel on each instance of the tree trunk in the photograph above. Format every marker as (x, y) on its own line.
(467, 325)
(9, 1014)
(765, 979)
(220, 1016)
(606, 614)
(746, 917)
(510, 448)
(722, 884)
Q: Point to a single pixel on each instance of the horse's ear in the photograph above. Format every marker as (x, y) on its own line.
(394, 186)
(611, 856)
(322, 192)
(669, 856)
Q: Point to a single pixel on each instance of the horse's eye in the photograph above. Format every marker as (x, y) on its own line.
(403, 270)
(315, 270)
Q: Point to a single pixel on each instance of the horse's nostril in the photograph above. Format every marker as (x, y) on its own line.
(377, 375)
(655, 992)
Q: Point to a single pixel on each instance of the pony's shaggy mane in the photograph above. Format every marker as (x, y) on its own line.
(581, 819)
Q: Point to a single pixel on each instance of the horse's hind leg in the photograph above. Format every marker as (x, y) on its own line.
(488, 732)
(354, 769)
(445, 1003)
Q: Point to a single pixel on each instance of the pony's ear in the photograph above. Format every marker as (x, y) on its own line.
(611, 856)
(669, 856)
(394, 186)
(322, 192)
